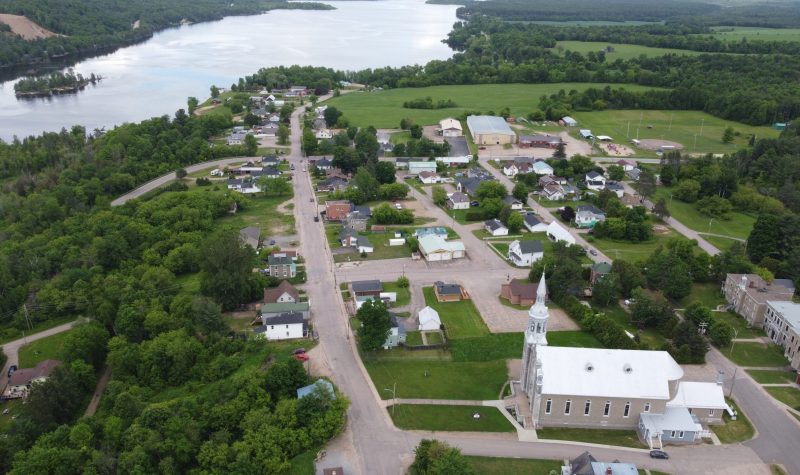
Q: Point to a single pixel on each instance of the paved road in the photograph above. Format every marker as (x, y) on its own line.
(169, 177)
(11, 348)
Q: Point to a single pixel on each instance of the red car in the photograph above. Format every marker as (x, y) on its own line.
(301, 357)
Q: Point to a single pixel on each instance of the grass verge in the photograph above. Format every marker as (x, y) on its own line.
(449, 418)
(622, 438)
(732, 431)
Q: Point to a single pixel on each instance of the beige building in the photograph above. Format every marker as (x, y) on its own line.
(782, 325)
(450, 128)
(490, 130)
(747, 295)
(614, 389)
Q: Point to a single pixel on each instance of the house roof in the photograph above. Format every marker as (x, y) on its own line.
(432, 243)
(363, 210)
(589, 209)
(437, 230)
(322, 384)
(761, 291)
(613, 468)
(531, 247)
(790, 312)
(288, 318)
(593, 175)
(601, 372)
(531, 219)
(613, 185)
(282, 307)
(699, 395)
(488, 124)
(540, 138)
(271, 295)
(347, 232)
(428, 314)
(523, 289)
(363, 241)
(427, 174)
(24, 376)
(447, 289)
(673, 418)
(510, 200)
(459, 197)
(251, 232)
(494, 224)
(367, 286)
(559, 233)
(274, 260)
(450, 123)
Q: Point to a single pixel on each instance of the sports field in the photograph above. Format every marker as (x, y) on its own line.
(384, 109)
(736, 33)
(621, 51)
(677, 126)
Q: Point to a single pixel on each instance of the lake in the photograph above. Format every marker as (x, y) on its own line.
(156, 77)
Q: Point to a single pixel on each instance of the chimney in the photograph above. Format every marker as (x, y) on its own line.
(609, 471)
(752, 284)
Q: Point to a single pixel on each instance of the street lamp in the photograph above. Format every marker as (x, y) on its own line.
(709, 225)
(394, 395)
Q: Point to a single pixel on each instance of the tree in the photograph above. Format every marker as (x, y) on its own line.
(439, 195)
(403, 282)
(667, 175)
(226, 268)
(491, 189)
(406, 123)
(647, 183)
(660, 208)
(433, 457)
(687, 190)
(567, 214)
(214, 92)
(605, 290)
(416, 131)
(192, 103)
(309, 142)
(283, 134)
(649, 310)
(88, 343)
(720, 333)
(630, 277)
(250, 144)
(180, 173)
(251, 120)
(616, 172)
(581, 165)
(520, 191)
(375, 325)
(366, 184)
(560, 151)
(275, 186)
(385, 172)
(727, 135)
(685, 335)
(515, 222)
(714, 206)
(331, 116)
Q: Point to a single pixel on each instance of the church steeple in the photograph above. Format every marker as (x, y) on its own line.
(538, 316)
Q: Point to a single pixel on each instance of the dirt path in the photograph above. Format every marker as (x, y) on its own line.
(98, 392)
(25, 28)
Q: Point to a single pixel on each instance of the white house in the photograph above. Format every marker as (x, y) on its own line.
(417, 167)
(617, 188)
(450, 128)
(542, 168)
(513, 203)
(434, 248)
(243, 186)
(455, 161)
(458, 200)
(586, 216)
(286, 326)
(495, 227)
(283, 293)
(363, 245)
(428, 178)
(429, 319)
(533, 224)
(627, 165)
(510, 169)
(553, 192)
(525, 253)
(397, 333)
(556, 232)
(595, 181)
(324, 134)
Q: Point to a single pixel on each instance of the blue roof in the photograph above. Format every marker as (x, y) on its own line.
(321, 383)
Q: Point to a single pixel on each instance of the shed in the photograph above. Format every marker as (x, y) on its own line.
(429, 319)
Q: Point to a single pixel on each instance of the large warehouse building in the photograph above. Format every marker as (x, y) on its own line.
(490, 130)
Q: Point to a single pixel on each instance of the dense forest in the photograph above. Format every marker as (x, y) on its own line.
(771, 14)
(97, 26)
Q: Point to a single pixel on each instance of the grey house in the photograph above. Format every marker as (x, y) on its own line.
(397, 333)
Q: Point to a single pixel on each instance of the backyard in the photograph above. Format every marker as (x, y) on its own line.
(449, 418)
(384, 109)
(379, 241)
(461, 319)
(262, 212)
(50, 348)
(403, 294)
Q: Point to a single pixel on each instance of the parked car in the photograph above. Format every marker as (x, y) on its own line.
(474, 204)
(659, 454)
(271, 242)
(398, 206)
(11, 369)
(301, 357)
(316, 219)
(592, 252)
(299, 351)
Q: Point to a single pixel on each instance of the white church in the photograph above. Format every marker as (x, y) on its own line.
(614, 389)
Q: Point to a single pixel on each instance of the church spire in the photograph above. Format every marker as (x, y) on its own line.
(541, 291)
(538, 315)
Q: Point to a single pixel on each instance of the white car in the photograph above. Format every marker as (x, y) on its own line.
(398, 206)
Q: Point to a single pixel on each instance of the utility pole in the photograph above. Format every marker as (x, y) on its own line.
(628, 133)
(394, 395)
(733, 380)
(702, 123)
(670, 120)
(27, 318)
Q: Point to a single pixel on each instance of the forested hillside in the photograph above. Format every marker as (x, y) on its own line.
(94, 26)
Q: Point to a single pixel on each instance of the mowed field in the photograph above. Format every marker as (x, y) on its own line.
(736, 33)
(384, 109)
(621, 51)
(677, 126)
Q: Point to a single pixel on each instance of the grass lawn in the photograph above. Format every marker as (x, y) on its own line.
(739, 225)
(624, 438)
(786, 395)
(11, 333)
(380, 243)
(501, 247)
(631, 251)
(449, 418)
(413, 338)
(444, 380)
(403, 295)
(677, 126)
(484, 234)
(434, 338)
(461, 319)
(756, 354)
(14, 407)
(772, 377)
(621, 51)
(573, 338)
(384, 109)
(707, 294)
(262, 212)
(509, 304)
(507, 466)
(35, 352)
(238, 324)
(303, 464)
(721, 243)
(736, 33)
(649, 336)
(740, 325)
(732, 432)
